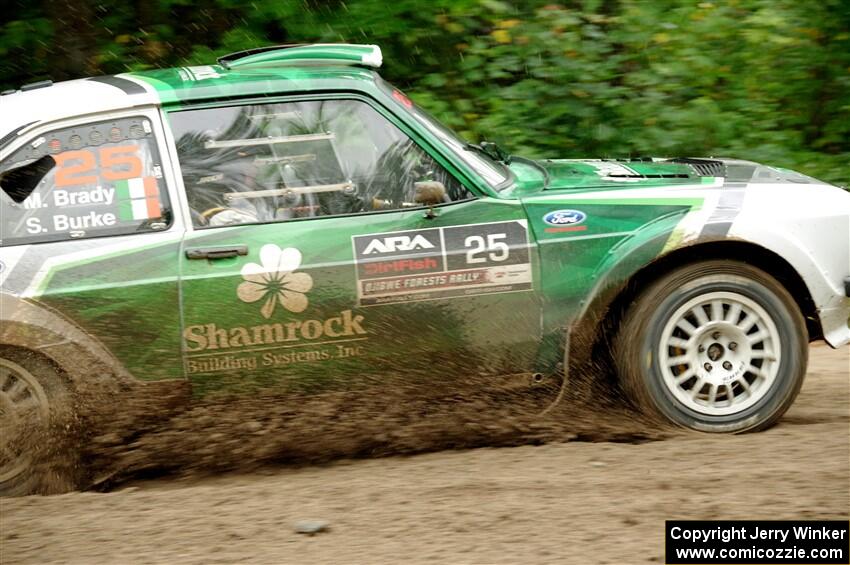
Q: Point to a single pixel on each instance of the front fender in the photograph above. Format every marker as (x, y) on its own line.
(808, 226)
(620, 265)
(628, 257)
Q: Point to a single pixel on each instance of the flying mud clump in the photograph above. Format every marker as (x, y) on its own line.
(158, 429)
(107, 431)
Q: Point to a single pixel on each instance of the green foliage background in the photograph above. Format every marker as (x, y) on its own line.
(767, 80)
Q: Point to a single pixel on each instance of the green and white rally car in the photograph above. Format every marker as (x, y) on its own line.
(286, 215)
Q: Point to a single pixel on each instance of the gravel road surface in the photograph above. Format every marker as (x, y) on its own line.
(560, 502)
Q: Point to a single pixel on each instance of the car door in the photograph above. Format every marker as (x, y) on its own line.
(311, 258)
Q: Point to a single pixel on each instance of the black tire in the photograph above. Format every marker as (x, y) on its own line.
(35, 414)
(719, 372)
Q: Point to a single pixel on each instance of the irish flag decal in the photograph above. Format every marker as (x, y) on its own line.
(138, 199)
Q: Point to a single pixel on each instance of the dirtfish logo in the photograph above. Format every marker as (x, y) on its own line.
(275, 281)
(397, 243)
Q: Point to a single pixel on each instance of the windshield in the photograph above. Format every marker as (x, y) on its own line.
(494, 172)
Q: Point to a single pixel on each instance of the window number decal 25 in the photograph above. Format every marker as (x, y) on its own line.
(498, 249)
(80, 167)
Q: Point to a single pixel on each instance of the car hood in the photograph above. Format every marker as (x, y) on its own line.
(569, 174)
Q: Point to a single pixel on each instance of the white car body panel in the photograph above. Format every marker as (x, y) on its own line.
(813, 235)
(74, 98)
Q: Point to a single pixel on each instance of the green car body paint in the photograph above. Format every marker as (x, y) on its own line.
(272, 220)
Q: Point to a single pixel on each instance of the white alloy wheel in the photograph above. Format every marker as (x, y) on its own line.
(719, 353)
(715, 345)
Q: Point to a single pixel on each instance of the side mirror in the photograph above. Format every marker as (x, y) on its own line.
(429, 193)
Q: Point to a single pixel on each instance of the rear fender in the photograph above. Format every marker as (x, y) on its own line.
(33, 326)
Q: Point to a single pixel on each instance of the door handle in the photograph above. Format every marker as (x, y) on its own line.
(216, 252)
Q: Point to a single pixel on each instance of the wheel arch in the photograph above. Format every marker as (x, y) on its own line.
(603, 311)
(32, 327)
(8, 350)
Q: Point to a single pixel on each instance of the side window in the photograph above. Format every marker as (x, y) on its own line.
(92, 180)
(274, 162)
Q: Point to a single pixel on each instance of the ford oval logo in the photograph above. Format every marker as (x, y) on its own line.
(564, 217)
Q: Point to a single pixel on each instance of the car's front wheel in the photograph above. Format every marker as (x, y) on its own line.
(716, 346)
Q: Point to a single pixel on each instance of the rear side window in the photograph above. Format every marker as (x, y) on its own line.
(98, 179)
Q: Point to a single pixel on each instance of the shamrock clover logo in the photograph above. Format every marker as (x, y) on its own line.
(275, 280)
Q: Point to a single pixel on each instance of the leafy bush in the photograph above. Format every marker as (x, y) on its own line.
(766, 80)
